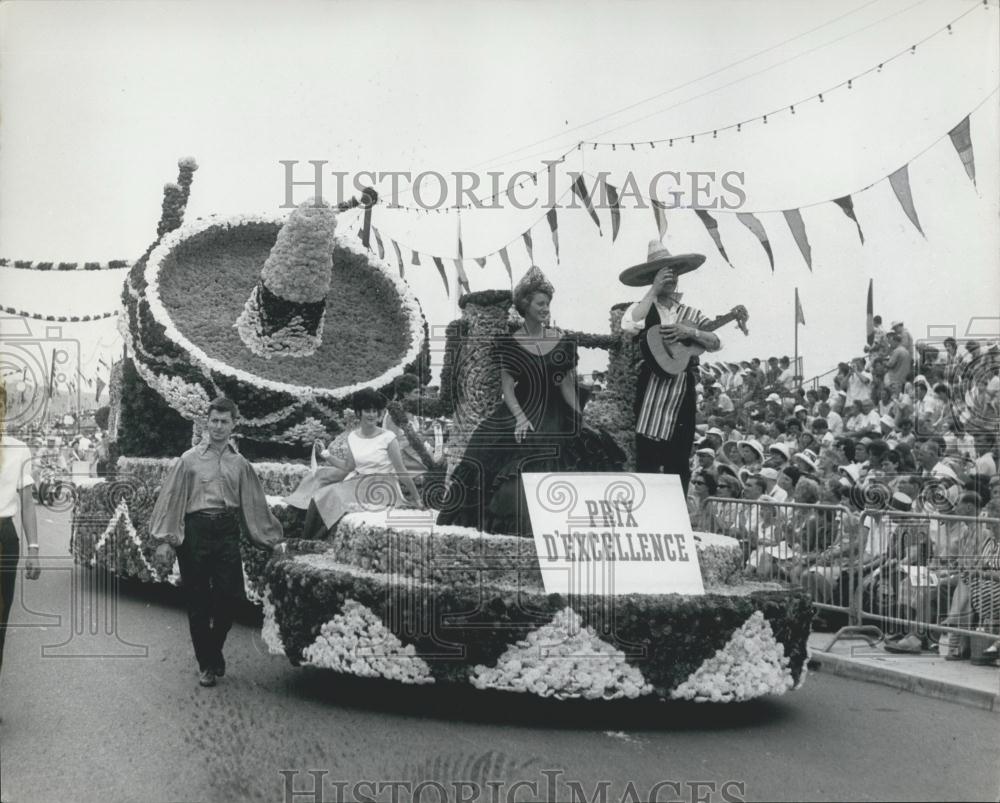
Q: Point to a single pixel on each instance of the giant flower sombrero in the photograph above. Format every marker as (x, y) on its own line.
(287, 314)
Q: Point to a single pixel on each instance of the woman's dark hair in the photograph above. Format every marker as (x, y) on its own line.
(847, 446)
(368, 399)
(893, 457)
(793, 474)
(943, 389)
(223, 405)
(876, 449)
(711, 483)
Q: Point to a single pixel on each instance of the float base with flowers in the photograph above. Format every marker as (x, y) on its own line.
(110, 522)
(395, 597)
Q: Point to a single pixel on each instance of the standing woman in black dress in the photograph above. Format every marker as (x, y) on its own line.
(536, 427)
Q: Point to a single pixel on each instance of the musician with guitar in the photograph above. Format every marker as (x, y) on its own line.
(671, 335)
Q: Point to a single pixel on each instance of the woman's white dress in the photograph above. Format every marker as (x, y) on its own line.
(372, 485)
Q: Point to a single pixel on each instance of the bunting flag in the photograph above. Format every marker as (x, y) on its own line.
(616, 210)
(554, 228)
(378, 242)
(481, 261)
(800, 319)
(755, 226)
(713, 230)
(444, 276)
(399, 258)
(463, 280)
(580, 191)
(961, 138)
(100, 389)
(900, 183)
(870, 313)
(661, 217)
(416, 258)
(506, 262)
(100, 361)
(847, 205)
(527, 244)
(458, 218)
(793, 217)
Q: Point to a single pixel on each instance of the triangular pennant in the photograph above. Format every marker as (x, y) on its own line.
(580, 191)
(416, 258)
(755, 226)
(616, 211)
(527, 244)
(554, 228)
(481, 261)
(794, 220)
(847, 205)
(378, 242)
(961, 138)
(713, 230)
(444, 276)
(900, 183)
(399, 258)
(800, 317)
(463, 280)
(506, 262)
(661, 218)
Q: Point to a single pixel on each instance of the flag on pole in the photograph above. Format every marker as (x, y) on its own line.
(870, 319)
(660, 215)
(52, 375)
(800, 319)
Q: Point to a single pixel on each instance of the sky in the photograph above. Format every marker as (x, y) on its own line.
(99, 100)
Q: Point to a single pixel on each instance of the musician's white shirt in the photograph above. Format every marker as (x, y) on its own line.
(668, 315)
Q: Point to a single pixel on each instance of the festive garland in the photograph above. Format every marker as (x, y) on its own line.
(59, 318)
(27, 264)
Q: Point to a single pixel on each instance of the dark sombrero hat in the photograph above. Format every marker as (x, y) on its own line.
(657, 258)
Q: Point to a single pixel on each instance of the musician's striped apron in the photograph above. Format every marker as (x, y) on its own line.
(662, 396)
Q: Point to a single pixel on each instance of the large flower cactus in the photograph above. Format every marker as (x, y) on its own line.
(284, 314)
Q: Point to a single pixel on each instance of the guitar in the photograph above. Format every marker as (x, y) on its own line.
(672, 359)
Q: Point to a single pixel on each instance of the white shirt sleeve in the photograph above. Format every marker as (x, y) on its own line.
(25, 480)
(630, 326)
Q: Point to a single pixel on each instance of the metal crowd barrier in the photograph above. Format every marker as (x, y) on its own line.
(879, 572)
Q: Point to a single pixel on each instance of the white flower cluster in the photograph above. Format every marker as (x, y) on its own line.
(269, 632)
(306, 433)
(298, 267)
(356, 641)
(121, 515)
(564, 660)
(752, 664)
(198, 356)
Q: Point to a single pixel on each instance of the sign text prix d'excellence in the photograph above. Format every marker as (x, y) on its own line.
(606, 534)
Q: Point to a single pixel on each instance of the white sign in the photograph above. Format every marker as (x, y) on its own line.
(606, 534)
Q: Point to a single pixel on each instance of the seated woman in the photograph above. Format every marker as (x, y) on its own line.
(703, 485)
(535, 427)
(369, 478)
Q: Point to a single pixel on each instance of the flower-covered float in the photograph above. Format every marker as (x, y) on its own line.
(396, 597)
(286, 314)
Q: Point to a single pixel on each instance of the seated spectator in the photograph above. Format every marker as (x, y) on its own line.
(770, 478)
(859, 382)
(788, 477)
(702, 486)
(752, 455)
(705, 459)
(821, 431)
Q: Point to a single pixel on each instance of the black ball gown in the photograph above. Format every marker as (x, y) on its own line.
(485, 489)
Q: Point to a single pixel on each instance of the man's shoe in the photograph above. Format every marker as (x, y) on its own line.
(206, 677)
(220, 668)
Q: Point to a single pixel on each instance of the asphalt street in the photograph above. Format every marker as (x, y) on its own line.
(100, 702)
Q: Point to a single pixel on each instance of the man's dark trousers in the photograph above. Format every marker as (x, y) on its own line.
(212, 577)
(672, 456)
(10, 552)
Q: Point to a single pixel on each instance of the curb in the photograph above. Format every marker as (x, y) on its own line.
(927, 687)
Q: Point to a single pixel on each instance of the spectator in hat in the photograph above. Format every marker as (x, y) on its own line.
(770, 478)
(805, 461)
(705, 459)
(904, 335)
(780, 451)
(752, 454)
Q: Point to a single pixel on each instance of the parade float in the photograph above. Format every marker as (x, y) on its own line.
(288, 316)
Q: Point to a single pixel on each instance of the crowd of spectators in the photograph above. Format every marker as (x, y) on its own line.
(864, 469)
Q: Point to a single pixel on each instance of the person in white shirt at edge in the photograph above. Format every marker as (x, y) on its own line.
(15, 499)
(665, 405)
(859, 382)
